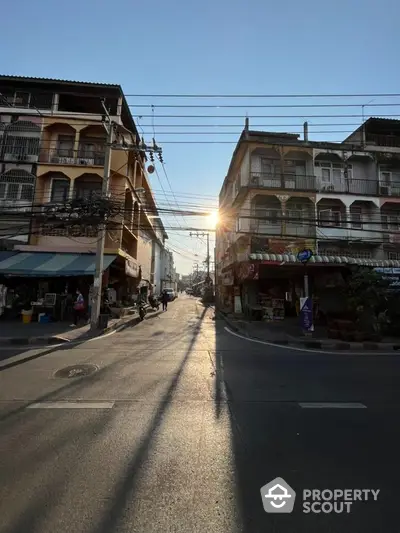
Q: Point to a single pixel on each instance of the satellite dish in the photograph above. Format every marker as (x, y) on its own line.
(150, 169)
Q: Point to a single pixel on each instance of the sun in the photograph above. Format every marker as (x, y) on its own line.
(213, 219)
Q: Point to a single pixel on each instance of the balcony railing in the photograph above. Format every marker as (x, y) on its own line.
(72, 157)
(362, 186)
(284, 181)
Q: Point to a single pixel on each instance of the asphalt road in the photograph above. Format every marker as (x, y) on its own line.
(182, 423)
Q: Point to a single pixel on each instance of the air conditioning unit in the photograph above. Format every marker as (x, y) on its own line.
(384, 190)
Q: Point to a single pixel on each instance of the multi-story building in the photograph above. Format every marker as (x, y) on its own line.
(168, 272)
(284, 194)
(53, 151)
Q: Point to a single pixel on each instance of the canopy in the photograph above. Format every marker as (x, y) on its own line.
(289, 258)
(43, 264)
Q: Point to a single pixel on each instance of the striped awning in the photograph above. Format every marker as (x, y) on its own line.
(324, 259)
(41, 264)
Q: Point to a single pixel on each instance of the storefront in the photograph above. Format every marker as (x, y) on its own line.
(46, 283)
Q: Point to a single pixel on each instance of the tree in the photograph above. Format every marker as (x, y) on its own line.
(367, 297)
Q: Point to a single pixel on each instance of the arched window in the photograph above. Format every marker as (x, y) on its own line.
(17, 185)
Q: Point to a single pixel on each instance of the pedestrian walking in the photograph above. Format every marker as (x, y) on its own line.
(164, 300)
(79, 308)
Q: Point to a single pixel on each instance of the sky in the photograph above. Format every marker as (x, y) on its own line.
(212, 47)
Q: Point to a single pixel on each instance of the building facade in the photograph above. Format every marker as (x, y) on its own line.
(284, 194)
(52, 152)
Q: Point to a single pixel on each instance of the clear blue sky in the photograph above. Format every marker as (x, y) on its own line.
(218, 46)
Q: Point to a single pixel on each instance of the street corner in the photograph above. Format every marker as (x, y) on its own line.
(278, 496)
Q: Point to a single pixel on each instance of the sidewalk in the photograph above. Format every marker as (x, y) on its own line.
(291, 334)
(16, 333)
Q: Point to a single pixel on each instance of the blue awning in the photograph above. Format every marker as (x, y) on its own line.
(41, 264)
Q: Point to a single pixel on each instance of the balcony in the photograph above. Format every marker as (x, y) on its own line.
(361, 186)
(72, 157)
(389, 141)
(284, 181)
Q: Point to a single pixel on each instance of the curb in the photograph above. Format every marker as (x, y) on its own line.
(316, 344)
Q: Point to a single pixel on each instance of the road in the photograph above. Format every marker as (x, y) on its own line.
(182, 423)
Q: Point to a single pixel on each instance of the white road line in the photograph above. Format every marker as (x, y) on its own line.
(71, 405)
(317, 350)
(332, 405)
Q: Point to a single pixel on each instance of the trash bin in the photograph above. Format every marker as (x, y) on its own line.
(103, 321)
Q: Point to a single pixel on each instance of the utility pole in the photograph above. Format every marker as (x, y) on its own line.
(208, 293)
(198, 235)
(111, 144)
(97, 283)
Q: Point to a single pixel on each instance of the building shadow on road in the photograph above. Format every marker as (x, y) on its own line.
(259, 387)
(125, 489)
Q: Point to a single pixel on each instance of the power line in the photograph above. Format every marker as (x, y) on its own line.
(239, 95)
(265, 116)
(256, 106)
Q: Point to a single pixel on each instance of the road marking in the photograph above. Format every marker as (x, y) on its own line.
(332, 405)
(71, 405)
(320, 350)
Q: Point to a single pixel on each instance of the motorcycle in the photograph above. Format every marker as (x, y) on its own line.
(142, 310)
(155, 303)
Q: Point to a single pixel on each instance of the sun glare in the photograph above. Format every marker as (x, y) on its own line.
(213, 219)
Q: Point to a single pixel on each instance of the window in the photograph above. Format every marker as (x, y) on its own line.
(356, 218)
(270, 167)
(390, 222)
(326, 174)
(87, 191)
(16, 185)
(329, 218)
(394, 256)
(389, 176)
(65, 145)
(59, 190)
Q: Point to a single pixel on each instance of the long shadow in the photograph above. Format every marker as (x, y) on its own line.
(271, 436)
(126, 488)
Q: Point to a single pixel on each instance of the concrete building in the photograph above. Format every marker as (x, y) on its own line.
(283, 194)
(168, 279)
(52, 153)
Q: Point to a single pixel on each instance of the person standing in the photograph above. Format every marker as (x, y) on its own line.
(164, 300)
(79, 308)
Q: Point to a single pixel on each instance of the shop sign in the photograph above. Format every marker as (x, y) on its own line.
(306, 314)
(304, 256)
(281, 246)
(131, 268)
(247, 271)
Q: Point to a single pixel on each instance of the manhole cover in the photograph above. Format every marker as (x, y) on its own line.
(76, 371)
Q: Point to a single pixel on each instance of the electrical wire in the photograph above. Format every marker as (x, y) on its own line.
(241, 95)
(257, 106)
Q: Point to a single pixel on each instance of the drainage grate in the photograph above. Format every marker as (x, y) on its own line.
(76, 371)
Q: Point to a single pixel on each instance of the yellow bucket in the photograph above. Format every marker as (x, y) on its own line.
(26, 319)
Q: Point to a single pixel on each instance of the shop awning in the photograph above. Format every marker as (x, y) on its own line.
(41, 264)
(323, 259)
